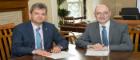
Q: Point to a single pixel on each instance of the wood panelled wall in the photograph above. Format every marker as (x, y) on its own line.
(15, 5)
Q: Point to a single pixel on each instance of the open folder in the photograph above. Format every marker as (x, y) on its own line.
(92, 52)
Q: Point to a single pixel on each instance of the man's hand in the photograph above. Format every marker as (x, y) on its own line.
(97, 46)
(41, 52)
(56, 49)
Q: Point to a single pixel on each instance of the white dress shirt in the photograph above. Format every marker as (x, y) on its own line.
(41, 34)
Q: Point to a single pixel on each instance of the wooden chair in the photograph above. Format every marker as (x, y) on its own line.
(135, 37)
(6, 41)
(71, 38)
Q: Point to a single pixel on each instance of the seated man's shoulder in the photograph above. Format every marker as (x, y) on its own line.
(47, 23)
(92, 24)
(25, 24)
(119, 25)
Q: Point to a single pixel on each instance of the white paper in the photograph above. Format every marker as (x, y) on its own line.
(60, 55)
(92, 52)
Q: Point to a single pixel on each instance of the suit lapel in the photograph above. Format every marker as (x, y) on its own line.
(111, 30)
(31, 33)
(45, 32)
(97, 31)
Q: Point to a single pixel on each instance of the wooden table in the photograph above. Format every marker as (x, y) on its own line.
(79, 54)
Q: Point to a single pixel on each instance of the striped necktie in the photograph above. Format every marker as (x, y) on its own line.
(38, 39)
(104, 36)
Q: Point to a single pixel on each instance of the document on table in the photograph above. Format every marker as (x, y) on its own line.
(62, 54)
(92, 52)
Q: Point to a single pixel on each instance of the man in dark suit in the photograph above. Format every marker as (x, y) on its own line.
(37, 36)
(105, 33)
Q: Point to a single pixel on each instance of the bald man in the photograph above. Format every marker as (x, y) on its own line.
(105, 33)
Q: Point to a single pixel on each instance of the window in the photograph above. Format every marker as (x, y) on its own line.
(75, 7)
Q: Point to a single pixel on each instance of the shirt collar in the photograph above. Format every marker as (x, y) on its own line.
(107, 24)
(35, 26)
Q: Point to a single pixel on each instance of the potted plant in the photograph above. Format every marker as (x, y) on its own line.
(62, 12)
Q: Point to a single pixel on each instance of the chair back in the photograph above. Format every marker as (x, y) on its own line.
(6, 41)
(66, 34)
(135, 37)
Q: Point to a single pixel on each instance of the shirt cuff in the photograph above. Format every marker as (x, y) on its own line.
(34, 51)
(89, 46)
(60, 47)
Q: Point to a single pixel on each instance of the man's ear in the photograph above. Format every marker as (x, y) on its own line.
(30, 16)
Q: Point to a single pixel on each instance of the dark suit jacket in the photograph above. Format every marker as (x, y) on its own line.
(119, 39)
(23, 38)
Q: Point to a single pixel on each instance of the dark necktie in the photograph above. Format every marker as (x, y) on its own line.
(104, 36)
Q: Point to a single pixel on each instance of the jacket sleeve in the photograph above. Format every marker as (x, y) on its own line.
(59, 40)
(84, 40)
